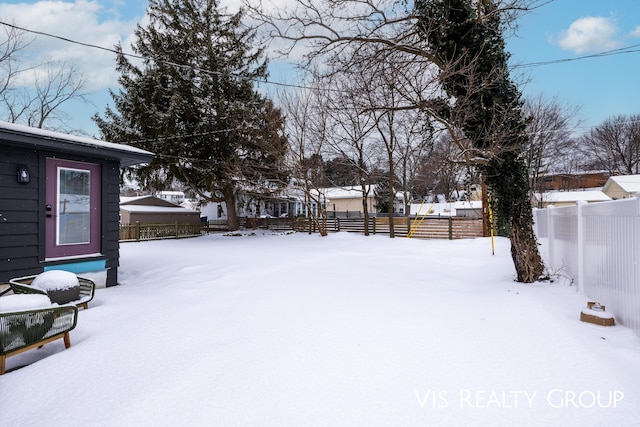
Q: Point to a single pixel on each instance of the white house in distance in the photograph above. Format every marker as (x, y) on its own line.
(467, 209)
(343, 202)
(568, 198)
(622, 186)
(176, 197)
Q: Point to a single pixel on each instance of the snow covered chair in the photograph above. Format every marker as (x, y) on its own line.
(55, 287)
(30, 321)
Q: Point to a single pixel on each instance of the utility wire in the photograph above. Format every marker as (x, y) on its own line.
(132, 55)
(628, 49)
(620, 51)
(623, 50)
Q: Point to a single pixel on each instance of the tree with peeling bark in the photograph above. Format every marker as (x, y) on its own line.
(192, 101)
(461, 42)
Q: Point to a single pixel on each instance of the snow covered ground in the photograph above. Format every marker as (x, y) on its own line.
(347, 330)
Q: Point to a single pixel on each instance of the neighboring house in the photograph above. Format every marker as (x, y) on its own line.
(176, 197)
(344, 202)
(622, 186)
(466, 209)
(347, 201)
(567, 198)
(59, 198)
(154, 210)
(569, 181)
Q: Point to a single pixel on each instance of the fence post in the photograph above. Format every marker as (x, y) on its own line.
(137, 231)
(450, 228)
(580, 226)
(550, 234)
(176, 225)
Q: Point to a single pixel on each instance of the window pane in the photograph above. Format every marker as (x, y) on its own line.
(74, 196)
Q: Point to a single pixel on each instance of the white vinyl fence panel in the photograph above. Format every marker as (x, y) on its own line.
(598, 246)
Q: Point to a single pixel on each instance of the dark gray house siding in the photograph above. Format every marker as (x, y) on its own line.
(19, 222)
(22, 205)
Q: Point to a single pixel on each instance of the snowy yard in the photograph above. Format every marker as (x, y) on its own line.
(299, 330)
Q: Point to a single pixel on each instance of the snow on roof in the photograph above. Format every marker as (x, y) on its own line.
(444, 209)
(349, 192)
(156, 209)
(127, 199)
(72, 139)
(572, 196)
(629, 183)
(343, 192)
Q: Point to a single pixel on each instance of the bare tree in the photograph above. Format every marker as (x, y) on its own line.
(550, 148)
(415, 140)
(12, 46)
(614, 145)
(443, 170)
(353, 126)
(55, 83)
(52, 84)
(382, 93)
(461, 43)
(307, 129)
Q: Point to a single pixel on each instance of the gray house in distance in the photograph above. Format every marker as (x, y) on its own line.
(59, 203)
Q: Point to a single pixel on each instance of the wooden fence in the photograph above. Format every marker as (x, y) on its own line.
(430, 228)
(138, 232)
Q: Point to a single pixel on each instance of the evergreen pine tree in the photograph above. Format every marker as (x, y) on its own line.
(192, 102)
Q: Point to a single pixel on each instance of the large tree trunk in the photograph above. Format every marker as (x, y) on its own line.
(365, 208)
(525, 254)
(509, 183)
(232, 214)
(392, 197)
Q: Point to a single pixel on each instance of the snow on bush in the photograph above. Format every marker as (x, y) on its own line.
(56, 280)
(23, 302)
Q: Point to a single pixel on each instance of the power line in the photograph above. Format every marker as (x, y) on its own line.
(620, 51)
(627, 49)
(132, 55)
(623, 50)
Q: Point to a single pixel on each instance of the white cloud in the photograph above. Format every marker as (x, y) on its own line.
(589, 34)
(80, 20)
(636, 32)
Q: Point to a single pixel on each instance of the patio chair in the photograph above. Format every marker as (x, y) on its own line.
(24, 330)
(22, 285)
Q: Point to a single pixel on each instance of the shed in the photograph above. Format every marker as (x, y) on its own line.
(59, 197)
(622, 186)
(154, 210)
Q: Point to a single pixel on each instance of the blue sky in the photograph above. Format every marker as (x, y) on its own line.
(560, 30)
(569, 29)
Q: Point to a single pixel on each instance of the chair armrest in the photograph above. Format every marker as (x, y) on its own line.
(24, 328)
(87, 289)
(21, 288)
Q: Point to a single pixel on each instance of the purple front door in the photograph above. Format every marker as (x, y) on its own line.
(72, 210)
